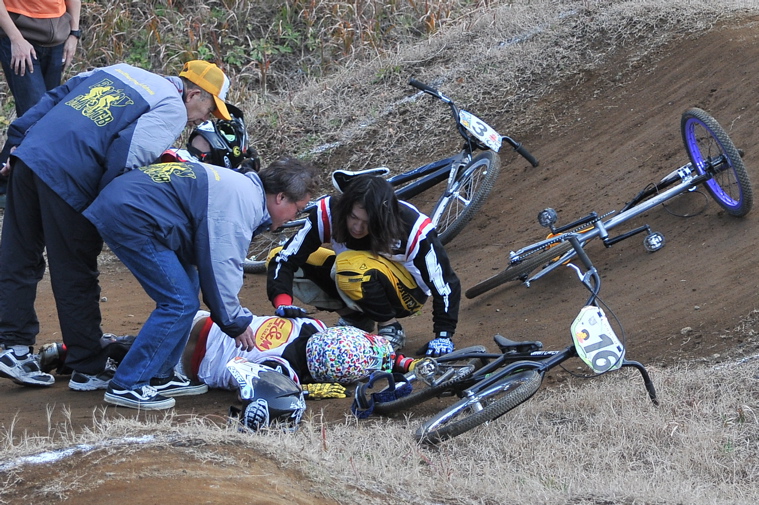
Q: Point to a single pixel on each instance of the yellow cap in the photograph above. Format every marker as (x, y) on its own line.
(209, 77)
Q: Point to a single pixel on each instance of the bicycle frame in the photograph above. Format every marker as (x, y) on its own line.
(542, 361)
(426, 176)
(593, 226)
(515, 376)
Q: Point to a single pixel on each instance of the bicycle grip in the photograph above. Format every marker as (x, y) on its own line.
(420, 85)
(526, 155)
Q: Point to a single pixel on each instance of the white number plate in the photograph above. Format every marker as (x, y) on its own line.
(480, 129)
(595, 340)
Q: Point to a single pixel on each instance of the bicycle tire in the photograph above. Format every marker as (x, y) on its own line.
(453, 211)
(421, 394)
(703, 136)
(262, 244)
(518, 271)
(466, 414)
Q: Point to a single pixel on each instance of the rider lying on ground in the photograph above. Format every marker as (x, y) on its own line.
(322, 360)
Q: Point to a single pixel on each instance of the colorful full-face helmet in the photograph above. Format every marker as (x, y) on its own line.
(345, 354)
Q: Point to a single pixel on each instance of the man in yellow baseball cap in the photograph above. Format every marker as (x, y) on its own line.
(211, 79)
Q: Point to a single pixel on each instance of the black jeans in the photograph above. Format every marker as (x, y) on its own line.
(37, 218)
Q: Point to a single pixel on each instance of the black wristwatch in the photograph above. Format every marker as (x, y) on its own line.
(76, 33)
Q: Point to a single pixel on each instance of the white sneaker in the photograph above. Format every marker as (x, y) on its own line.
(81, 381)
(24, 369)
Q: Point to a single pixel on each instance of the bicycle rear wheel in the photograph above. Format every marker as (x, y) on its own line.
(449, 378)
(263, 243)
(484, 406)
(520, 270)
(453, 211)
(706, 142)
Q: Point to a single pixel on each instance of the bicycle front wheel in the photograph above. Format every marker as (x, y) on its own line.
(447, 378)
(521, 270)
(454, 210)
(707, 142)
(484, 406)
(263, 243)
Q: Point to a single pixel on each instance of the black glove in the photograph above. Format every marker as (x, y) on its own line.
(290, 311)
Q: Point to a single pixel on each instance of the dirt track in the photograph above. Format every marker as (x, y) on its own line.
(599, 142)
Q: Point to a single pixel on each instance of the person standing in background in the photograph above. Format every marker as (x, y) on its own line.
(38, 39)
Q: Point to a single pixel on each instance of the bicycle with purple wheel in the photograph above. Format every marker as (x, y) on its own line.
(715, 164)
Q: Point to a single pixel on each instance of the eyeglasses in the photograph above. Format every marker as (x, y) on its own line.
(300, 209)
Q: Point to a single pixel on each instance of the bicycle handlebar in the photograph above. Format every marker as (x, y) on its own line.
(519, 148)
(423, 87)
(455, 111)
(580, 251)
(590, 279)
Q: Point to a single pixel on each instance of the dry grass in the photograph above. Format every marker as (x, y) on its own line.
(593, 442)
(311, 88)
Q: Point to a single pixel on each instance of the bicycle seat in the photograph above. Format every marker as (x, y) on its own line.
(340, 178)
(511, 346)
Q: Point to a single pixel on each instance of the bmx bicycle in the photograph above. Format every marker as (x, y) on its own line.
(470, 174)
(491, 384)
(715, 163)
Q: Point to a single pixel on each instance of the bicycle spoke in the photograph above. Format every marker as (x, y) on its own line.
(454, 210)
(712, 152)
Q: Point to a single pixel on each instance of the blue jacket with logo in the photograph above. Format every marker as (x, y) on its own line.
(95, 126)
(206, 214)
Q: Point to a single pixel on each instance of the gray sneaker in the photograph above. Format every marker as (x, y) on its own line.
(81, 381)
(24, 369)
(85, 382)
(394, 334)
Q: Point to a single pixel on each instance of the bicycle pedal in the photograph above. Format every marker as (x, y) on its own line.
(426, 370)
(653, 241)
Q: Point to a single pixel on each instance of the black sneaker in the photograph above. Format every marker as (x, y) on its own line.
(143, 398)
(357, 320)
(24, 369)
(178, 385)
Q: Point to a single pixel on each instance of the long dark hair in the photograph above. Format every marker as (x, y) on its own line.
(376, 196)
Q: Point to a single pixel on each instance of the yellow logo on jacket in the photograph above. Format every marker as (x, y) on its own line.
(274, 332)
(162, 172)
(97, 102)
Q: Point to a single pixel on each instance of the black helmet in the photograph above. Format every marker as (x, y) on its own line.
(228, 140)
(268, 397)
